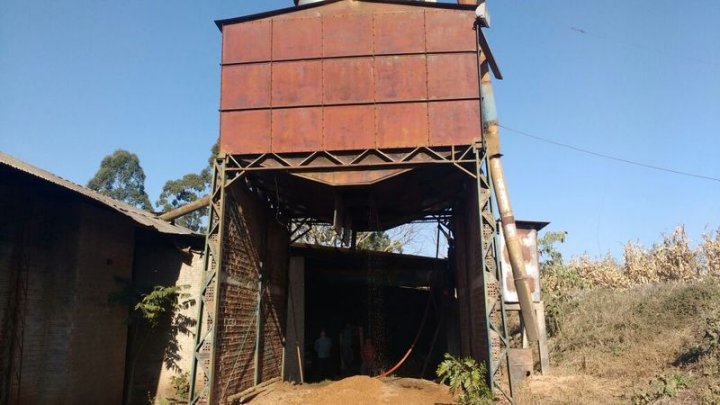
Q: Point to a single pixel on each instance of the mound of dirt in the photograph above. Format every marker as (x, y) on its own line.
(357, 390)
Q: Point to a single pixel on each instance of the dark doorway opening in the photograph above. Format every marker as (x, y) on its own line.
(394, 300)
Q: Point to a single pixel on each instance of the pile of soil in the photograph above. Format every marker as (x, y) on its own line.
(357, 390)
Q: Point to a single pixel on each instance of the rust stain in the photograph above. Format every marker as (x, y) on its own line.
(349, 127)
(401, 78)
(402, 125)
(454, 122)
(298, 38)
(348, 81)
(397, 33)
(245, 131)
(450, 31)
(297, 83)
(245, 86)
(452, 76)
(347, 35)
(246, 42)
(296, 129)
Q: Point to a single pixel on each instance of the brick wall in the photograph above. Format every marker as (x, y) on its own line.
(167, 352)
(63, 253)
(7, 230)
(468, 264)
(253, 243)
(98, 328)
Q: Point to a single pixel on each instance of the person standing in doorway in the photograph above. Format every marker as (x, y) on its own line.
(347, 354)
(323, 345)
(368, 353)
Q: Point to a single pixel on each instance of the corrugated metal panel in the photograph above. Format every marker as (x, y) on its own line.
(139, 216)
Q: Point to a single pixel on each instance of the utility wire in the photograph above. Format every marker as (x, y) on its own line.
(664, 52)
(597, 35)
(610, 157)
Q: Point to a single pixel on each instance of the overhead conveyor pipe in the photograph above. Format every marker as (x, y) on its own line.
(491, 136)
(186, 209)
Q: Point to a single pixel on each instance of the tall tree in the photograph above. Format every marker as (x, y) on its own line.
(121, 177)
(192, 186)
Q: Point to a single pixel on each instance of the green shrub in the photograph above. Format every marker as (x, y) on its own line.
(181, 383)
(467, 377)
(661, 387)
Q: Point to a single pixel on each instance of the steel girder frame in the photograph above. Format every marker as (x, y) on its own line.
(205, 336)
(228, 168)
(495, 317)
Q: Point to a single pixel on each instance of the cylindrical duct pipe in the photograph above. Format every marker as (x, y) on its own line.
(491, 134)
(303, 2)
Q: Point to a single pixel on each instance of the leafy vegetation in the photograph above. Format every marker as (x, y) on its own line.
(659, 388)
(151, 309)
(376, 241)
(189, 188)
(121, 177)
(644, 328)
(465, 377)
(181, 384)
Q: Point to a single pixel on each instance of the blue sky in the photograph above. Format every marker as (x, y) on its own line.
(639, 80)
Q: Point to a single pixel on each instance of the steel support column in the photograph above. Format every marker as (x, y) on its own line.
(205, 338)
(495, 319)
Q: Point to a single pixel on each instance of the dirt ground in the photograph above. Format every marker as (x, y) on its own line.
(357, 390)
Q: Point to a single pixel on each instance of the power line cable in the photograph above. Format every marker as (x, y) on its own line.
(610, 157)
(579, 30)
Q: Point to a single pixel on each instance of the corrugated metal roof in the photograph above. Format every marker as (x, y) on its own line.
(141, 217)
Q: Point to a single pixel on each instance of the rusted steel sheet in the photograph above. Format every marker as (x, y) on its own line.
(402, 125)
(348, 81)
(401, 78)
(297, 128)
(350, 76)
(249, 42)
(299, 38)
(452, 76)
(297, 83)
(452, 122)
(448, 31)
(245, 86)
(398, 33)
(349, 127)
(347, 35)
(245, 131)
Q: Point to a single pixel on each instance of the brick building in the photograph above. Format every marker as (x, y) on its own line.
(62, 249)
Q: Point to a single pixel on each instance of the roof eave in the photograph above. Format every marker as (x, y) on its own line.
(286, 10)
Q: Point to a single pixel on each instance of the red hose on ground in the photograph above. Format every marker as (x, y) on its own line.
(412, 346)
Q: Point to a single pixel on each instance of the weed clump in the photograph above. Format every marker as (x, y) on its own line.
(660, 387)
(467, 377)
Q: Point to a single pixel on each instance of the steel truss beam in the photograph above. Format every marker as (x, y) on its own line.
(495, 318)
(362, 159)
(231, 168)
